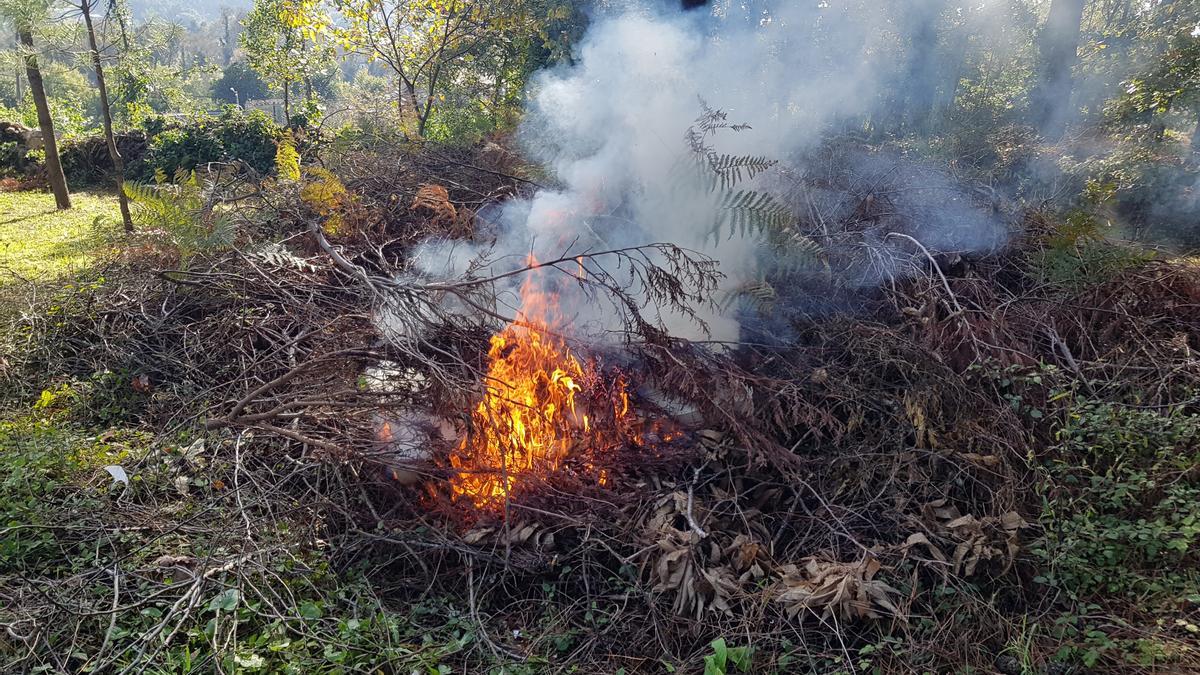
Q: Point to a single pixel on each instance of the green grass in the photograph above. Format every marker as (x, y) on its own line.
(40, 243)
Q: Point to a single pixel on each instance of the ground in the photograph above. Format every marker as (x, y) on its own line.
(61, 511)
(239, 560)
(37, 241)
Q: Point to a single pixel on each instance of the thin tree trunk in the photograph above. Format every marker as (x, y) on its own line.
(54, 172)
(1059, 52)
(227, 46)
(20, 93)
(1196, 137)
(287, 105)
(921, 77)
(106, 114)
(412, 95)
(119, 12)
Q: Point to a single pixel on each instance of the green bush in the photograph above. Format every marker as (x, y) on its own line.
(1079, 254)
(1124, 515)
(234, 135)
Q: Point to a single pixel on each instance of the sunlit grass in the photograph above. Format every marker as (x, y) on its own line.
(40, 243)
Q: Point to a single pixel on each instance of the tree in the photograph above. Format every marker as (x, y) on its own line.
(1163, 79)
(228, 41)
(423, 41)
(25, 15)
(239, 83)
(1058, 47)
(280, 39)
(271, 46)
(114, 153)
(922, 68)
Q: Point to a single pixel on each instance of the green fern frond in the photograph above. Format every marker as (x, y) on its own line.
(183, 211)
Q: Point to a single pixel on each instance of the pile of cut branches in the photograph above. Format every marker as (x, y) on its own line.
(844, 485)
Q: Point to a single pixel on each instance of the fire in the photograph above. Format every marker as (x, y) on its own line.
(532, 413)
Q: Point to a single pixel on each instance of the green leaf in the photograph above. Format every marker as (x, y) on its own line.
(226, 601)
(311, 610)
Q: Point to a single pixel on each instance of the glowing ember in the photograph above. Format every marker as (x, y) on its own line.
(529, 420)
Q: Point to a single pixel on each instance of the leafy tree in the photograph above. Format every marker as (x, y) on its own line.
(1170, 81)
(148, 76)
(25, 15)
(429, 44)
(85, 7)
(1059, 52)
(239, 83)
(280, 40)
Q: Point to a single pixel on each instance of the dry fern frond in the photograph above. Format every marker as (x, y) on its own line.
(849, 591)
(975, 540)
(434, 201)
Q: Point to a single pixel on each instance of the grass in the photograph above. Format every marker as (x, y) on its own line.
(41, 243)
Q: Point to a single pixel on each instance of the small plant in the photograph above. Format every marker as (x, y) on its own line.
(1121, 522)
(1079, 255)
(725, 659)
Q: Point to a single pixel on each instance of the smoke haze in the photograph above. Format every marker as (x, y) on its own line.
(611, 130)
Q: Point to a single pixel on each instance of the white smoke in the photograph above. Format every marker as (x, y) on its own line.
(611, 128)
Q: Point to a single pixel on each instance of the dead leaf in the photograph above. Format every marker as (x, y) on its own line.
(850, 591)
(477, 535)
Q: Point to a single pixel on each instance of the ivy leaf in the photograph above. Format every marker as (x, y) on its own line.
(227, 601)
(311, 610)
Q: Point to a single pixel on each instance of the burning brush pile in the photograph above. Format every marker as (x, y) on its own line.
(544, 411)
(556, 439)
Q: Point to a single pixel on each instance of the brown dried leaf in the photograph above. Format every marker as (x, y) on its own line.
(848, 590)
(477, 535)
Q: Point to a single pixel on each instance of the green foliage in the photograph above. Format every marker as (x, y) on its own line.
(1079, 254)
(239, 83)
(1127, 519)
(183, 211)
(38, 456)
(1146, 186)
(234, 135)
(279, 39)
(735, 210)
(1172, 82)
(461, 66)
(726, 659)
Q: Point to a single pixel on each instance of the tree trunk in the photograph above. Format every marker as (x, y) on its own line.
(106, 114)
(921, 80)
(287, 103)
(227, 46)
(20, 93)
(1196, 136)
(412, 95)
(54, 172)
(1059, 52)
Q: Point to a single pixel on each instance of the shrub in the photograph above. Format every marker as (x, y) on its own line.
(1125, 516)
(234, 135)
(1078, 254)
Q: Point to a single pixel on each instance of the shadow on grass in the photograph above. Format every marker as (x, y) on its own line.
(30, 216)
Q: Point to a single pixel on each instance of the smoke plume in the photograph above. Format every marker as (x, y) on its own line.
(611, 128)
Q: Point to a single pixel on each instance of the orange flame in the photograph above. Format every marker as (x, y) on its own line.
(529, 419)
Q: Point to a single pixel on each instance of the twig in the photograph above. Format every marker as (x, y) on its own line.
(690, 518)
